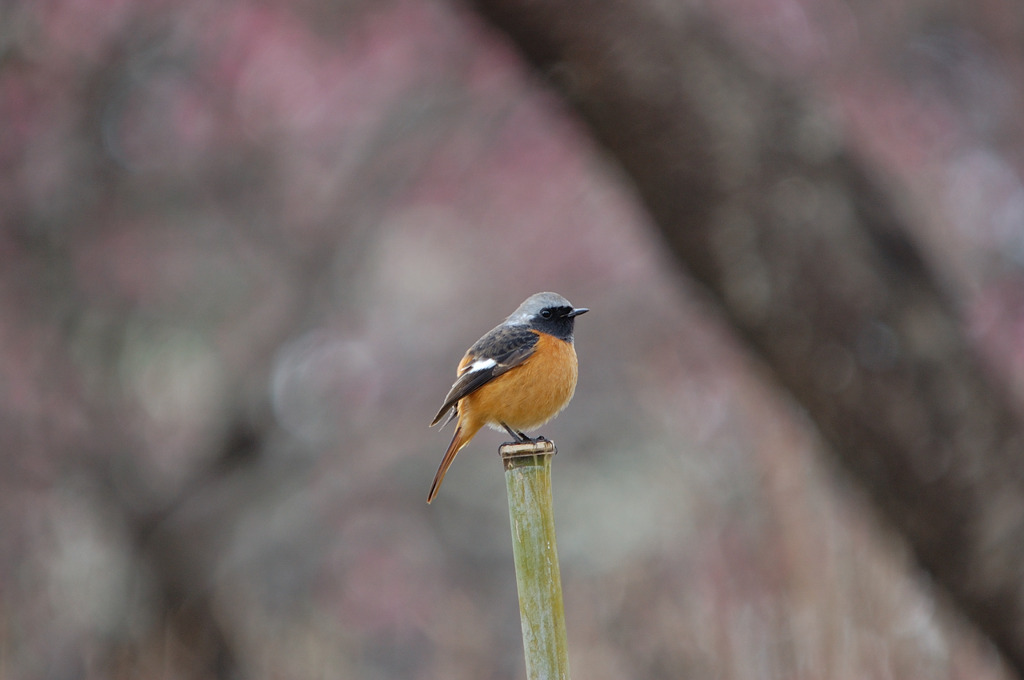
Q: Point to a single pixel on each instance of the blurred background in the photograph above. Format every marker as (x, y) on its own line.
(243, 246)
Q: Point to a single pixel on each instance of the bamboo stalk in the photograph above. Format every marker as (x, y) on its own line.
(528, 480)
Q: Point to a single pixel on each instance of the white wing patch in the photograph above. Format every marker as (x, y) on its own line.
(480, 365)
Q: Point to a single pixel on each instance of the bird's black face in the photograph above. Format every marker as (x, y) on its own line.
(558, 321)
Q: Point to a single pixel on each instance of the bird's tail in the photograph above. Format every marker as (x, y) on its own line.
(461, 438)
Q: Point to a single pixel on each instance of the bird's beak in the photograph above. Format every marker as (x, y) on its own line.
(577, 312)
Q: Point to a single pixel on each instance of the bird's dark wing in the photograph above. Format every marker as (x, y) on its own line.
(498, 352)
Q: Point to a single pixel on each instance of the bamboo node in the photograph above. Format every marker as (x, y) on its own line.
(512, 450)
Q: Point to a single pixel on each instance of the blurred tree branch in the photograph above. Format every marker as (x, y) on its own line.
(812, 262)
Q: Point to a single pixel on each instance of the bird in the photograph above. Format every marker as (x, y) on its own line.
(517, 377)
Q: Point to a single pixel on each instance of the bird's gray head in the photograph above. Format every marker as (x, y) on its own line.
(547, 312)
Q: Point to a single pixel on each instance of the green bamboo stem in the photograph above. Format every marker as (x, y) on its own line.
(528, 479)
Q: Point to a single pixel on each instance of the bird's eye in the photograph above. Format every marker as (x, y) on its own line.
(545, 313)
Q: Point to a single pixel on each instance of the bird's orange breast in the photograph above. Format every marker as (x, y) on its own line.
(530, 394)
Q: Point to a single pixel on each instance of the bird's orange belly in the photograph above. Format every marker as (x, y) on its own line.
(529, 395)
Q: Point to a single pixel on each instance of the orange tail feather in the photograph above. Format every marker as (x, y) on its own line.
(458, 441)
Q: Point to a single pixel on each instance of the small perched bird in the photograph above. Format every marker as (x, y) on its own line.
(518, 376)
